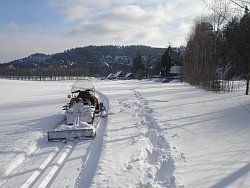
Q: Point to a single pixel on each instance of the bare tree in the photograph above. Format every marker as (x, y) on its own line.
(219, 12)
(199, 69)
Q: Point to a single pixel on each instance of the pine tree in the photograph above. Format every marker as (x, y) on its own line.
(166, 61)
(245, 34)
(148, 66)
(138, 66)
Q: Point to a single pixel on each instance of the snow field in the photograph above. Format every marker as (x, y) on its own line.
(142, 157)
(209, 134)
(156, 135)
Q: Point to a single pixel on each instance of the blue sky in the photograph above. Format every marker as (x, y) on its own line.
(50, 26)
(25, 11)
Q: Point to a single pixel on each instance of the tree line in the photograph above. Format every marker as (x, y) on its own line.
(92, 61)
(218, 48)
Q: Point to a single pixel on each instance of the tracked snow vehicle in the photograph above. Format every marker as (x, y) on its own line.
(80, 114)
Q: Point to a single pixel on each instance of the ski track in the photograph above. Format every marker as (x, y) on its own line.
(154, 159)
(57, 166)
(51, 166)
(41, 169)
(90, 163)
(48, 171)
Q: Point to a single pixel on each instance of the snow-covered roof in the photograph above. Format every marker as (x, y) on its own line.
(119, 74)
(175, 69)
(111, 75)
(129, 75)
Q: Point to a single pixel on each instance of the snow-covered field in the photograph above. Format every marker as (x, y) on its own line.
(156, 135)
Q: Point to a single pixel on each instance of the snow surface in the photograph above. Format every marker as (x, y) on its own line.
(156, 135)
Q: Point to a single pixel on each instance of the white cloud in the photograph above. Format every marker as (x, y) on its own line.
(114, 21)
(95, 22)
(126, 14)
(74, 13)
(148, 25)
(73, 3)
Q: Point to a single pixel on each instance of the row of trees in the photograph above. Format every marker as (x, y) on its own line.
(51, 73)
(218, 49)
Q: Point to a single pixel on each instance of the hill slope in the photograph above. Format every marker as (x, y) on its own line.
(94, 60)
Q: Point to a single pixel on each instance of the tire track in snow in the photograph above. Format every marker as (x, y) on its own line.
(90, 163)
(41, 169)
(155, 158)
(57, 165)
(50, 168)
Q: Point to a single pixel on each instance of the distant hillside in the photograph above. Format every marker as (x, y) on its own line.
(92, 60)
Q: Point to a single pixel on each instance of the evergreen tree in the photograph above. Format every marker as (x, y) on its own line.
(167, 61)
(148, 66)
(138, 66)
(233, 43)
(157, 68)
(245, 47)
(237, 36)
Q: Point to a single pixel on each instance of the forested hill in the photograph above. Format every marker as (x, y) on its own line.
(91, 60)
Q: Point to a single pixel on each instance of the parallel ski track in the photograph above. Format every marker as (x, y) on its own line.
(48, 171)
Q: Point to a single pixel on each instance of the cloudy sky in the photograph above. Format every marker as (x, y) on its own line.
(50, 26)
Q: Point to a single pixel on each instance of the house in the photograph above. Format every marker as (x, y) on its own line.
(176, 70)
(119, 75)
(129, 76)
(111, 76)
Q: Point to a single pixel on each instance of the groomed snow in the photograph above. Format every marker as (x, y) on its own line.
(156, 135)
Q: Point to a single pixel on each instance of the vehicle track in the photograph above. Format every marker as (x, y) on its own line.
(51, 173)
(48, 170)
(89, 166)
